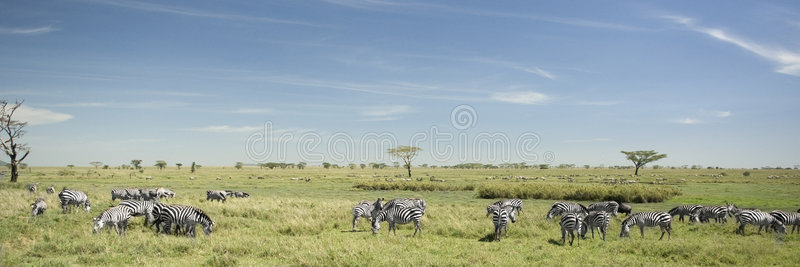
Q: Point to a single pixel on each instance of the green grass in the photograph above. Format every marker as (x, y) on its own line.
(258, 231)
(580, 192)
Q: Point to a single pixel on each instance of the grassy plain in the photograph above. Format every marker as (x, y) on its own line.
(293, 222)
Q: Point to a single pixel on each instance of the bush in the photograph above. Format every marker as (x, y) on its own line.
(619, 193)
(413, 186)
(746, 174)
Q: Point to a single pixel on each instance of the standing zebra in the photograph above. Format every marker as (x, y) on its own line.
(185, 218)
(119, 193)
(682, 210)
(514, 202)
(599, 220)
(787, 219)
(610, 207)
(133, 193)
(32, 188)
(570, 223)
(71, 198)
(500, 217)
(363, 209)
(38, 207)
(218, 195)
(398, 215)
(560, 208)
(406, 202)
(139, 208)
(760, 218)
(51, 190)
(649, 219)
(117, 216)
(705, 213)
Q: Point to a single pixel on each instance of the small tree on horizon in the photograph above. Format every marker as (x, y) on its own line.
(406, 153)
(96, 164)
(238, 165)
(160, 164)
(326, 165)
(179, 165)
(136, 163)
(194, 166)
(642, 157)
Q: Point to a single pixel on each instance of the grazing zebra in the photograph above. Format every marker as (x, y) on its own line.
(148, 194)
(119, 193)
(133, 193)
(682, 210)
(186, 218)
(648, 219)
(139, 208)
(240, 194)
(570, 223)
(787, 219)
(398, 215)
(363, 209)
(625, 208)
(217, 195)
(760, 218)
(560, 208)
(51, 190)
(32, 188)
(117, 216)
(500, 217)
(514, 202)
(599, 220)
(71, 198)
(610, 207)
(164, 193)
(705, 213)
(405, 203)
(38, 207)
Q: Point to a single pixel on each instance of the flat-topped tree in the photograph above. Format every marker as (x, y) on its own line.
(642, 157)
(406, 153)
(10, 132)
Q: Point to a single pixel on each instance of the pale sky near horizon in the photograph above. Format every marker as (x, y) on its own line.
(712, 83)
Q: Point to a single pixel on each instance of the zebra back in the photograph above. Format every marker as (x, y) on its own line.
(560, 208)
(647, 219)
(608, 206)
(73, 198)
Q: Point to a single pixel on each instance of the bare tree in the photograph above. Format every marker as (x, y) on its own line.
(10, 132)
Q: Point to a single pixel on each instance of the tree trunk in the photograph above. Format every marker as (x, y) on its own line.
(636, 173)
(409, 170)
(14, 172)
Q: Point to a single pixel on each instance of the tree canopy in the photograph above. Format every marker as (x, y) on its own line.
(406, 153)
(642, 157)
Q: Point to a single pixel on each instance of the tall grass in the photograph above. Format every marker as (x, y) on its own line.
(413, 186)
(561, 191)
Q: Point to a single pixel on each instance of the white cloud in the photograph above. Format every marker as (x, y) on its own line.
(688, 121)
(529, 97)
(27, 31)
(723, 114)
(38, 116)
(540, 72)
(385, 113)
(227, 129)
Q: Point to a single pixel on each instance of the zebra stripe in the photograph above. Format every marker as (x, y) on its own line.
(218, 195)
(363, 209)
(682, 210)
(133, 193)
(599, 220)
(398, 215)
(117, 216)
(32, 188)
(38, 207)
(648, 219)
(514, 202)
(704, 214)
(560, 208)
(406, 203)
(610, 207)
(148, 194)
(787, 219)
(119, 193)
(75, 198)
(185, 218)
(139, 208)
(760, 218)
(500, 218)
(51, 190)
(571, 224)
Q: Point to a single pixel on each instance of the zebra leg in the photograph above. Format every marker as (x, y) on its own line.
(603, 230)
(563, 236)
(355, 220)
(759, 229)
(641, 229)
(741, 229)
(417, 227)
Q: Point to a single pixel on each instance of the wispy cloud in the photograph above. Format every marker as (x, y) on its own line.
(133, 105)
(528, 97)
(512, 65)
(688, 121)
(385, 113)
(598, 103)
(226, 129)
(591, 140)
(723, 114)
(28, 31)
(254, 111)
(788, 61)
(38, 116)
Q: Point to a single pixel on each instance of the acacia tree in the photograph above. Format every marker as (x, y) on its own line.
(239, 165)
(406, 153)
(96, 164)
(179, 165)
(161, 164)
(642, 157)
(136, 163)
(10, 131)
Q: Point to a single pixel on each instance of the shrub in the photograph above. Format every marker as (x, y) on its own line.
(619, 193)
(746, 174)
(413, 186)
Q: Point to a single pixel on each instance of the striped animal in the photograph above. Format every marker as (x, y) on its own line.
(500, 218)
(117, 217)
(514, 202)
(164, 193)
(51, 190)
(682, 210)
(560, 208)
(787, 218)
(406, 202)
(240, 194)
(571, 224)
(139, 208)
(398, 215)
(38, 207)
(706, 213)
(760, 218)
(648, 219)
(610, 207)
(599, 220)
(185, 218)
(119, 193)
(133, 193)
(362, 209)
(218, 195)
(148, 194)
(70, 198)
(32, 188)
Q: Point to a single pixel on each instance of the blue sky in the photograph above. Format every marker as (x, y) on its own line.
(709, 83)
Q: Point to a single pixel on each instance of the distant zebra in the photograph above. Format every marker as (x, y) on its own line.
(398, 215)
(139, 208)
(760, 218)
(32, 188)
(164, 193)
(514, 202)
(217, 195)
(133, 193)
(240, 194)
(117, 216)
(682, 210)
(706, 213)
(119, 193)
(599, 220)
(75, 198)
(571, 224)
(405, 203)
(51, 190)
(149, 194)
(648, 219)
(38, 207)
(363, 209)
(560, 208)
(787, 219)
(610, 207)
(500, 218)
(186, 218)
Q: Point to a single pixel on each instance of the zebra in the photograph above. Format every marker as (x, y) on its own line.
(560, 208)
(71, 198)
(133, 193)
(705, 213)
(139, 208)
(610, 207)
(51, 190)
(406, 202)
(38, 207)
(186, 218)
(599, 220)
(682, 210)
(760, 218)
(649, 219)
(240, 194)
(119, 193)
(571, 224)
(500, 218)
(117, 216)
(514, 202)
(363, 209)
(148, 194)
(787, 219)
(32, 188)
(164, 193)
(217, 195)
(398, 215)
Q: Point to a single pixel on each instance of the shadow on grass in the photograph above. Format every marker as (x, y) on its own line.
(357, 231)
(487, 238)
(555, 242)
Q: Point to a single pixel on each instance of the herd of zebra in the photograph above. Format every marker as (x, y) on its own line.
(395, 211)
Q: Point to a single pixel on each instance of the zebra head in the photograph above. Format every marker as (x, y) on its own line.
(626, 227)
(97, 224)
(87, 205)
(554, 211)
(376, 221)
(732, 209)
(512, 213)
(778, 227)
(208, 228)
